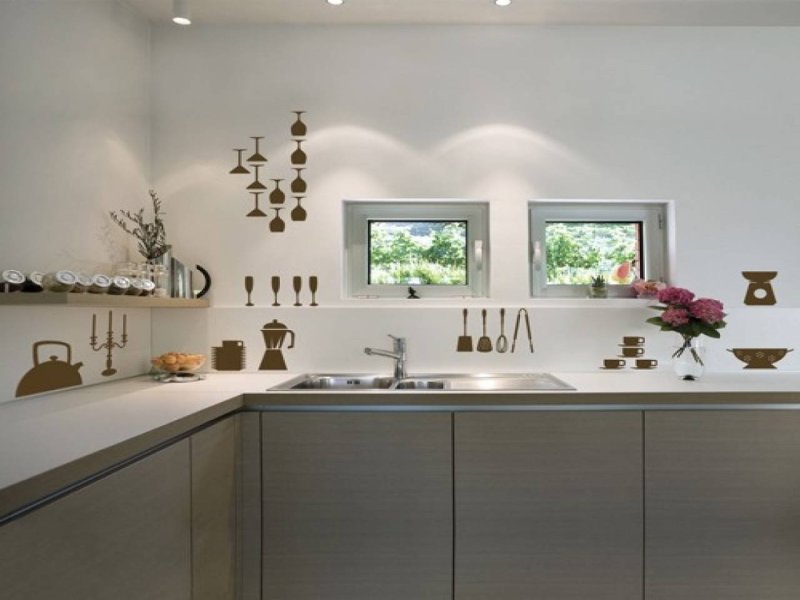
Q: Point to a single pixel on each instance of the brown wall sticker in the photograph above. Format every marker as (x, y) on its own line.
(464, 341)
(313, 285)
(230, 356)
(298, 128)
(52, 374)
(275, 334)
(760, 358)
(484, 342)
(109, 344)
(297, 285)
(759, 292)
(501, 345)
(520, 313)
(239, 169)
(276, 287)
(277, 196)
(256, 212)
(298, 212)
(249, 282)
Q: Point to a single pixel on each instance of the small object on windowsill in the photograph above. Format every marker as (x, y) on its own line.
(647, 288)
(598, 287)
(412, 294)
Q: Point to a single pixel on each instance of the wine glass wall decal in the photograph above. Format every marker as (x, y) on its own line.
(277, 196)
(298, 183)
(298, 212)
(298, 156)
(256, 185)
(256, 212)
(277, 225)
(313, 282)
(257, 157)
(297, 285)
(298, 128)
(276, 287)
(239, 169)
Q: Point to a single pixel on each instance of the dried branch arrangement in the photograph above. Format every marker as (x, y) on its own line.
(151, 237)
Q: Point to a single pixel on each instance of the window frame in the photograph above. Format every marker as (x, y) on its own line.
(656, 231)
(358, 214)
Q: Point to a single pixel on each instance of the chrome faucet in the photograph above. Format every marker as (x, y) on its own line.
(398, 353)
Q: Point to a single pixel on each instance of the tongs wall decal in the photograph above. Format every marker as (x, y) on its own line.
(520, 313)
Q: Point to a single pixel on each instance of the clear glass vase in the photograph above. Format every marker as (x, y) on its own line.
(688, 360)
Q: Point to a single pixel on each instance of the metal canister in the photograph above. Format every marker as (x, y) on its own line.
(119, 285)
(82, 285)
(33, 282)
(11, 280)
(149, 287)
(59, 281)
(100, 284)
(137, 287)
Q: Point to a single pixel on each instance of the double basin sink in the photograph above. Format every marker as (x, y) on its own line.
(534, 382)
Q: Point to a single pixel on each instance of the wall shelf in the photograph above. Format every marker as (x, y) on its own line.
(102, 300)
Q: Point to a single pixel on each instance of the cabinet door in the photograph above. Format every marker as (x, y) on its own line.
(548, 505)
(126, 536)
(357, 506)
(723, 505)
(214, 486)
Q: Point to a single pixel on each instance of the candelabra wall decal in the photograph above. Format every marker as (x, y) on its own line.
(297, 160)
(109, 344)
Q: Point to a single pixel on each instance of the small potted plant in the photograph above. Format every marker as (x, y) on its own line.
(599, 287)
(150, 237)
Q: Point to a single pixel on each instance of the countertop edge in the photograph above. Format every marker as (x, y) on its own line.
(19, 496)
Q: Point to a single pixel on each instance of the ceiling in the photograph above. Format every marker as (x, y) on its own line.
(560, 12)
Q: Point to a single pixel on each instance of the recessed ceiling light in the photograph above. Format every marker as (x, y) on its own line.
(181, 13)
(502, 2)
(336, 2)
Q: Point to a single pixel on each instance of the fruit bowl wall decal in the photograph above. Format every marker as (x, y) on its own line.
(760, 358)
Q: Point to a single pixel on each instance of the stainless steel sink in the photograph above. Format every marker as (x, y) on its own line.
(431, 382)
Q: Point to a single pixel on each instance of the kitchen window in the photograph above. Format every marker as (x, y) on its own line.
(438, 247)
(572, 242)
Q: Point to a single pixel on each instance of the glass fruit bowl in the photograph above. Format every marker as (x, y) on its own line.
(177, 366)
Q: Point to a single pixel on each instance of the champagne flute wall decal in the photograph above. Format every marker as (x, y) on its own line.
(298, 159)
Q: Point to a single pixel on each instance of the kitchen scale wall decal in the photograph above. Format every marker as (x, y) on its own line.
(230, 356)
(277, 197)
(760, 292)
(109, 344)
(51, 374)
(274, 339)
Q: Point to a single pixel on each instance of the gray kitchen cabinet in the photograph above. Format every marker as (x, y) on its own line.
(357, 506)
(723, 505)
(214, 511)
(125, 536)
(548, 505)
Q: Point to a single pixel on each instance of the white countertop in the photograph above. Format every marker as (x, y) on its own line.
(46, 440)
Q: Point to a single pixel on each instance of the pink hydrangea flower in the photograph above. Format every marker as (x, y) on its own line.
(675, 295)
(707, 309)
(675, 316)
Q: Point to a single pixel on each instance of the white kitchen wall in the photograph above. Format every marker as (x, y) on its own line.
(74, 144)
(706, 117)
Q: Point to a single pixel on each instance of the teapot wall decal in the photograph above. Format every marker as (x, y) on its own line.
(49, 375)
